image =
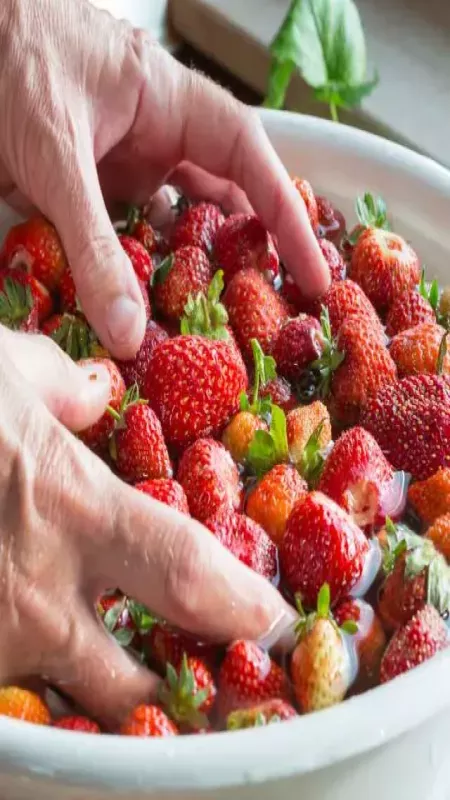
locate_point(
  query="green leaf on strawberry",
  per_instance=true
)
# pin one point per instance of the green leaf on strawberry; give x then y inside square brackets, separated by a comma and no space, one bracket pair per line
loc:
[141,616]
[205,315]
[269,448]
[430,291]
[264,371]
[181,698]
[330,359]
[160,274]
[16,303]
[313,460]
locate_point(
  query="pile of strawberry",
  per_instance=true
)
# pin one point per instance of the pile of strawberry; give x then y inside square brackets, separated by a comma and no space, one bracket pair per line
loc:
[312,438]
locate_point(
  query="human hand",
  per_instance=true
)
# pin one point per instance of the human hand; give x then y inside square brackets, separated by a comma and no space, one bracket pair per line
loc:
[124,104]
[70,530]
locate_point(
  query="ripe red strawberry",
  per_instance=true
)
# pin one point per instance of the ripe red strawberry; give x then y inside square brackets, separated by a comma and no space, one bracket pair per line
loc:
[306,192]
[331,221]
[36,246]
[384,265]
[418,350]
[140,228]
[18,301]
[43,300]
[72,333]
[167,645]
[197,226]
[358,477]
[346,298]
[210,479]
[321,669]
[271,501]
[135,370]
[78,724]
[280,392]
[255,311]
[420,639]
[114,612]
[249,676]
[183,274]
[298,344]
[141,260]
[371,212]
[97,435]
[148,721]
[24,705]
[293,293]
[166,491]
[188,693]
[321,545]
[369,640]
[137,445]
[247,540]
[68,292]
[243,243]
[260,714]
[409,309]
[410,420]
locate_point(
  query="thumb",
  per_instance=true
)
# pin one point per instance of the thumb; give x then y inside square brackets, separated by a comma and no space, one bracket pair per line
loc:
[76,395]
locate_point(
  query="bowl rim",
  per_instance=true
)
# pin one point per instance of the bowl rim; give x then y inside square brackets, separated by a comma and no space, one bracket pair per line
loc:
[297,747]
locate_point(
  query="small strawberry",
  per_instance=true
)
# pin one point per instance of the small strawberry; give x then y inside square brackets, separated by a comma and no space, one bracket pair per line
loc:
[23,704]
[331,221]
[320,667]
[346,298]
[431,498]
[409,309]
[135,370]
[97,435]
[369,640]
[419,350]
[188,693]
[140,258]
[78,724]
[182,275]
[243,243]
[126,620]
[248,676]
[210,479]
[410,420]
[18,301]
[137,445]
[197,226]
[322,544]
[194,381]
[280,392]
[246,540]
[43,300]
[302,424]
[140,228]
[298,344]
[384,265]
[36,246]
[306,192]
[166,491]
[167,645]
[439,534]
[273,498]
[358,477]
[68,292]
[293,293]
[148,721]
[420,639]
[371,213]
[72,333]
[260,714]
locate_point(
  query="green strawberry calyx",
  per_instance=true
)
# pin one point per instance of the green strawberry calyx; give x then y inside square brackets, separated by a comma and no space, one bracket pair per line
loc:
[181,698]
[313,459]
[16,303]
[75,337]
[331,357]
[371,212]
[130,398]
[306,622]
[141,618]
[430,292]
[204,314]
[269,448]
[264,371]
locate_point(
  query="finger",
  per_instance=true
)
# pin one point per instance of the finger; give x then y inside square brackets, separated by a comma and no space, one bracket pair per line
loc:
[181,572]
[76,395]
[106,284]
[200,185]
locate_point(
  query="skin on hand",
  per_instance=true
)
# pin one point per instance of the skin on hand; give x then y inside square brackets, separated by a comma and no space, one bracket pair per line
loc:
[70,529]
[121,119]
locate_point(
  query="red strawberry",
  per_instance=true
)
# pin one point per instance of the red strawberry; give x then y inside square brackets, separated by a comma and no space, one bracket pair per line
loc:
[140,228]
[140,259]
[42,298]
[418,350]
[166,491]
[420,639]
[255,311]
[127,621]
[260,714]
[369,640]
[321,545]
[36,246]
[358,477]
[331,221]
[194,381]
[137,445]
[409,309]
[68,292]
[243,243]
[181,275]
[346,298]
[410,420]
[72,334]
[167,645]
[293,293]
[299,342]
[97,435]
[249,676]
[197,226]
[246,540]
[148,721]
[306,192]
[188,693]
[77,724]
[209,478]
[384,265]
[18,301]
[280,393]
[135,370]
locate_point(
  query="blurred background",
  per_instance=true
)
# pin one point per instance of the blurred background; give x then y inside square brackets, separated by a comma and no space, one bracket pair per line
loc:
[408,44]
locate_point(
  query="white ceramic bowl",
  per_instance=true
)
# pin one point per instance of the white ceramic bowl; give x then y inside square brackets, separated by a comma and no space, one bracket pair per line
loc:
[389,743]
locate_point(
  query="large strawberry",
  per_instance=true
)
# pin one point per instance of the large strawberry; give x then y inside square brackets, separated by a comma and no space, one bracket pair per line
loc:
[167,491]
[210,479]
[195,380]
[148,721]
[36,246]
[249,676]
[358,477]
[97,435]
[420,639]
[18,306]
[135,370]
[384,265]
[197,226]
[188,693]
[410,420]
[421,350]
[182,275]
[255,310]
[271,501]
[243,243]
[346,298]
[247,540]
[321,545]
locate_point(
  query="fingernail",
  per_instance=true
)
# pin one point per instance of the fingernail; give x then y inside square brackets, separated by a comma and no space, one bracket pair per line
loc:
[123,313]
[281,634]
[99,380]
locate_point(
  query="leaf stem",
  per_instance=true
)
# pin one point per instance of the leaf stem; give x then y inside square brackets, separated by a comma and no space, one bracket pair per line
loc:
[333,112]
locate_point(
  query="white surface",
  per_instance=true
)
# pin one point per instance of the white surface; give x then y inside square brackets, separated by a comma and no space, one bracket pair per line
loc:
[408,41]
[148,14]
[390,743]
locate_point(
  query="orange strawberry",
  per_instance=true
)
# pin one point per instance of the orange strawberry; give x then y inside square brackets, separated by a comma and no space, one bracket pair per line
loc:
[78,724]
[431,497]
[181,275]
[418,350]
[420,639]
[166,491]
[273,498]
[301,424]
[23,704]
[248,676]
[148,721]
[97,435]
[210,479]
[239,433]
[306,192]
[439,534]
[36,246]
[243,243]
[260,714]
[188,693]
